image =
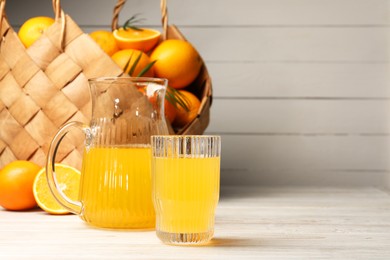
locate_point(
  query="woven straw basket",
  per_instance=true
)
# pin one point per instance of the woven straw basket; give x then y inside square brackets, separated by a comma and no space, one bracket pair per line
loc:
[46,85]
[201,87]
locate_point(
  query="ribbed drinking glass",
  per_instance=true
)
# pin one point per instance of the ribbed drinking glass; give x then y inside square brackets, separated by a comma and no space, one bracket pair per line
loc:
[185,181]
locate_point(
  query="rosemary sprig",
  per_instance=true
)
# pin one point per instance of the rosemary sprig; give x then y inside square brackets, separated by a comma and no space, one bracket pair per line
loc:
[172,95]
[146,69]
[176,98]
[128,64]
[131,72]
[129,24]
[132,69]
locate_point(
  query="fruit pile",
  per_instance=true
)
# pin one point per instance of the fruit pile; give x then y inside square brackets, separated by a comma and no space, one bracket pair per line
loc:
[140,52]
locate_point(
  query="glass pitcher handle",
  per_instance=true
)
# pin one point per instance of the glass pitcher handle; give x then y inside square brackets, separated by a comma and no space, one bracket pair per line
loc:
[65,201]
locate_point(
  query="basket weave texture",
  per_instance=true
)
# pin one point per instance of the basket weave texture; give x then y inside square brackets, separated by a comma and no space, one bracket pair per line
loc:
[46,85]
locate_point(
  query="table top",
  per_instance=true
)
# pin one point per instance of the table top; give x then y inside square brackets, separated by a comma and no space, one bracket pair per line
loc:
[251,223]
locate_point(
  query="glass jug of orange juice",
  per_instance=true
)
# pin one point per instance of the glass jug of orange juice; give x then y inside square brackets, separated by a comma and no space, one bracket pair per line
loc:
[115,189]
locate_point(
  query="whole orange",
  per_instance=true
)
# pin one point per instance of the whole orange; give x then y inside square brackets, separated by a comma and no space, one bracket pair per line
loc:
[169,108]
[33,28]
[105,40]
[122,58]
[170,111]
[177,61]
[16,185]
[184,117]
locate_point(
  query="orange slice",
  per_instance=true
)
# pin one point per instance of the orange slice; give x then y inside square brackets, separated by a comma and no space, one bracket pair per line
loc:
[68,179]
[143,40]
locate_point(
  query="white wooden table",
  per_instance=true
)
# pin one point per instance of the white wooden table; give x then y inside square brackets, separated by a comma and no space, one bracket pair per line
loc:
[251,223]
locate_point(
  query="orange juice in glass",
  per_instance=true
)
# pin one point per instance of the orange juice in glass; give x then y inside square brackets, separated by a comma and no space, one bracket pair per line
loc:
[186,176]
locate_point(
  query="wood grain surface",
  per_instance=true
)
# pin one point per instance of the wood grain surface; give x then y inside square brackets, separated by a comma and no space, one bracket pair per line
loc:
[251,223]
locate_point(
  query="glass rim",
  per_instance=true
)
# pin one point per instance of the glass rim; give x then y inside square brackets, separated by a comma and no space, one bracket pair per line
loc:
[186,146]
[185,136]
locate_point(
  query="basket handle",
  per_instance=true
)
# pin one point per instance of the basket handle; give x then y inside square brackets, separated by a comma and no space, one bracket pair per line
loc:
[164,16]
[59,14]
[2,12]
[71,205]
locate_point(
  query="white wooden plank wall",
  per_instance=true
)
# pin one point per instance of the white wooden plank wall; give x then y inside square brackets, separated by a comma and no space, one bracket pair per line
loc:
[301,87]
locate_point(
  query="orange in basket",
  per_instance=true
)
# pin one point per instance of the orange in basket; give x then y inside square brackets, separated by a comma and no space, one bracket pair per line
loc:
[33,28]
[105,40]
[184,117]
[127,58]
[177,61]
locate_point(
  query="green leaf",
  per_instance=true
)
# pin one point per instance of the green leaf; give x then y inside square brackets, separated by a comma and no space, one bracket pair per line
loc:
[129,24]
[128,63]
[135,64]
[176,98]
[146,69]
